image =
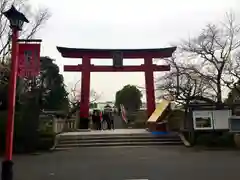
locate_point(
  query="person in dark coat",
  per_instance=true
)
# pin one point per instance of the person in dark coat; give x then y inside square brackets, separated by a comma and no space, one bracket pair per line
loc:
[96,119]
[106,119]
[112,121]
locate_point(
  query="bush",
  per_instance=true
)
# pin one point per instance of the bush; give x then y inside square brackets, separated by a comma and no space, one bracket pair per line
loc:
[216,139]
[27,138]
[227,139]
[139,125]
[46,141]
[176,120]
[3,121]
[137,120]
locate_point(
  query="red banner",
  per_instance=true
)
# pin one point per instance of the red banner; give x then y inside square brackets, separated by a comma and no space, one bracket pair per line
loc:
[123,113]
[29,60]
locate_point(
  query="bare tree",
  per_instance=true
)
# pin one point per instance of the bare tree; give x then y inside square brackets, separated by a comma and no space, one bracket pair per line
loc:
[75,95]
[37,20]
[75,98]
[214,50]
[94,96]
[182,83]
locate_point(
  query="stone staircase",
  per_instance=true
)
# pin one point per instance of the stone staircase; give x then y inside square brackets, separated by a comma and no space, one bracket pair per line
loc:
[69,141]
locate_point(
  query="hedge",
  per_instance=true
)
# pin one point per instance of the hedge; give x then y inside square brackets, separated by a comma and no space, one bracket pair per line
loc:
[27,138]
[216,139]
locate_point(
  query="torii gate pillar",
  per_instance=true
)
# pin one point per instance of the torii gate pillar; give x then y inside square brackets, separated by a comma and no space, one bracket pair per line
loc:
[149,83]
[85,91]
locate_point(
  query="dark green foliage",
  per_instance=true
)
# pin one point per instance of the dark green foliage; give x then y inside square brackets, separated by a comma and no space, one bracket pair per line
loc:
[176,119]
[28,127]
[45,141]
[46,92]
[93,105]
[215,139]
[55,96]
[26,137]
[130,96]
[4,78]
[49,88]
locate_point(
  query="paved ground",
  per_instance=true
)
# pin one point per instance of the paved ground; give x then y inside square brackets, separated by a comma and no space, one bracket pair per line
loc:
[153,163]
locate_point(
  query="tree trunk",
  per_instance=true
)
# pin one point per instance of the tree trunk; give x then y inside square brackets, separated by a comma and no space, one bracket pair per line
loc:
[219,93]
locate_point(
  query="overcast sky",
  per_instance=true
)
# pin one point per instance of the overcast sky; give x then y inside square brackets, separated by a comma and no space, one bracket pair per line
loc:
[123,24]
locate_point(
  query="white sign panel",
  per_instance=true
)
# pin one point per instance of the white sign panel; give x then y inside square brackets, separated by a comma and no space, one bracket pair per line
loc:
[220,119]
[203,120]
[211,119]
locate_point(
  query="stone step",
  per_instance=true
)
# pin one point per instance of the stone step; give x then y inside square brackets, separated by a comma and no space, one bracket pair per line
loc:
[79,138]
[116,135]
[69,146]
[123,146]
[116,138]
[74,141]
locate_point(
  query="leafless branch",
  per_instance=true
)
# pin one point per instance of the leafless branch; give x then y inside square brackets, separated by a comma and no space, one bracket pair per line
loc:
[215,50]
[37,20]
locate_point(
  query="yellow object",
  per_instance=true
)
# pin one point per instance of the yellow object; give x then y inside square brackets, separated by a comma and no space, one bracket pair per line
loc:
[161,107]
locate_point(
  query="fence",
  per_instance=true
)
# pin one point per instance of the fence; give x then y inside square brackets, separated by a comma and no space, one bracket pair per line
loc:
[60,125]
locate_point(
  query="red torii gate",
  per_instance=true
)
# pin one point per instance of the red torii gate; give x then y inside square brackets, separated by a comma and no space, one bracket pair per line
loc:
[117,55]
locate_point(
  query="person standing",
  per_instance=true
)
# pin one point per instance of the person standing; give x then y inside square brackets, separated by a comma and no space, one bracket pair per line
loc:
[106,118]
[101,119]
[96,120]
[112,120]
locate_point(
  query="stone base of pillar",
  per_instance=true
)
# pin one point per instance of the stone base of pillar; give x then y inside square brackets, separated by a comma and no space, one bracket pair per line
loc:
[83,123]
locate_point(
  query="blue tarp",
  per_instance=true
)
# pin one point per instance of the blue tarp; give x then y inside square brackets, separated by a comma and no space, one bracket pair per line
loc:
[159,132]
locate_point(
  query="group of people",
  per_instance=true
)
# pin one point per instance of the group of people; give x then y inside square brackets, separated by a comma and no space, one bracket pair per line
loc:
[100,118]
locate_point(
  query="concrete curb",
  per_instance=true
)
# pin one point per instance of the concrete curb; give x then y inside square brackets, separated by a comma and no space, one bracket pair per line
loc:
[237,140]
[55,142]
[184,140]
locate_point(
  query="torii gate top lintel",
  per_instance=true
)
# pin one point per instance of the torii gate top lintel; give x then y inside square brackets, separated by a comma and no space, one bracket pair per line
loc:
[108,53]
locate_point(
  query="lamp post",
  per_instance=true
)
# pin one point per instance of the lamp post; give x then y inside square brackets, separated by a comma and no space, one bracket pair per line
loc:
[16,20]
